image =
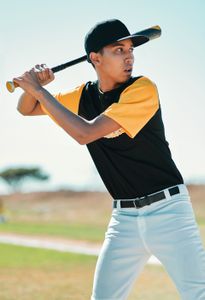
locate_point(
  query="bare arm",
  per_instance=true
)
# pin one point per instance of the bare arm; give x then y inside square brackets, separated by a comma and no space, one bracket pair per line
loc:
[83,131]
[29,105]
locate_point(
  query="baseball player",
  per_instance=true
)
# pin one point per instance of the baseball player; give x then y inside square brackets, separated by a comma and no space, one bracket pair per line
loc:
[118,117]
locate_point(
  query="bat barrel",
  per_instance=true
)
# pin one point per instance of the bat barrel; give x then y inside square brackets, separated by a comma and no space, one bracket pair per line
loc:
[152,32]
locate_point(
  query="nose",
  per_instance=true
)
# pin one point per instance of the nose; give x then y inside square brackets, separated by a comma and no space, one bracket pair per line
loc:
[129,58]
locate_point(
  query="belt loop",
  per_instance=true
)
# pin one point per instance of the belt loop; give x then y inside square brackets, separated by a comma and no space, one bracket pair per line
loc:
[117,204]
[167,194]
[134,202]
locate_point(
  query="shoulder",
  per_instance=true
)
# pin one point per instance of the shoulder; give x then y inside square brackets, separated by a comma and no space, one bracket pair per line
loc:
[76,90]
[141,87]
[143,81]
[67,94]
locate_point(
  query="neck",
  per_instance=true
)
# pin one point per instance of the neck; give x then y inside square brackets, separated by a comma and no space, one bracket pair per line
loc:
[105,85]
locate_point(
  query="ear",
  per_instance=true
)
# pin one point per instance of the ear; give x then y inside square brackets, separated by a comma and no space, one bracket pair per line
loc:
[95,58]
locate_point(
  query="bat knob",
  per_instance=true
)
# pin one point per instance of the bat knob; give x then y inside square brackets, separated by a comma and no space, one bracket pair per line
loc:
[10,85]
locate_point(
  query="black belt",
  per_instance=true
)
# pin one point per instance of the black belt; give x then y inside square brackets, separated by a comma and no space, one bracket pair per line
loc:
[146,200]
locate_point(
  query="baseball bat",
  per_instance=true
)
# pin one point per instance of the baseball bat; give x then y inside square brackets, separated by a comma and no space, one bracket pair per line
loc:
[149,34]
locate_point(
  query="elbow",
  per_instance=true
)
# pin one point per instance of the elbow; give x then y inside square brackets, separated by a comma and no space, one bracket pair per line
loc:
[82,140]
[83,135]
[79,138]
[21,112]
[86,140]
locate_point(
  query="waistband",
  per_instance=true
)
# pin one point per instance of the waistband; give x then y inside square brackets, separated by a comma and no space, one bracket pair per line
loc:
[139,202]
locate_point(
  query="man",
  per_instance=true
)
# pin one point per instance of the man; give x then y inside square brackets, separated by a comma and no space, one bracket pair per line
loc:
[119,118]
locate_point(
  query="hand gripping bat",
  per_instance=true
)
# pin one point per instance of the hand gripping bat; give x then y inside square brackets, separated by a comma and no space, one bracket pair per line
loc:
[150,34]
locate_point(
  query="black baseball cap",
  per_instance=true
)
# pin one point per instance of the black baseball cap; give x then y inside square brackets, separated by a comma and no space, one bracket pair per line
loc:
[108,32]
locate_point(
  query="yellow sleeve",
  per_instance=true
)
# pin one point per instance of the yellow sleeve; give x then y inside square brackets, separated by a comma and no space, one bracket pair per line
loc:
[136,106]
[69,100]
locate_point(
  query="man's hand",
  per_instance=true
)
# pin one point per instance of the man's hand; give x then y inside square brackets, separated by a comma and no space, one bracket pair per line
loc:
[44,74]
[32,81]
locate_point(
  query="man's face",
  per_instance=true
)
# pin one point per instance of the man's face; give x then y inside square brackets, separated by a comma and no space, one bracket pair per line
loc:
[116,61]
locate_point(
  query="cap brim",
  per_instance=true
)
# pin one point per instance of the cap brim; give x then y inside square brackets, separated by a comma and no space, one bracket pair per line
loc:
[136,39]
[141,37]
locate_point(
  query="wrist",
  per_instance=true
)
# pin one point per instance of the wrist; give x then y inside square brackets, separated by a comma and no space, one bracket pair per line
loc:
[39,93]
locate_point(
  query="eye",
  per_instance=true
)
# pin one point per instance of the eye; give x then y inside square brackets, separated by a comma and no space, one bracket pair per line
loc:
[131,49]
[119,50]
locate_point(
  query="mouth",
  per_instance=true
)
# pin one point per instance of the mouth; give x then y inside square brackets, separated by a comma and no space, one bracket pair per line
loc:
[128,71]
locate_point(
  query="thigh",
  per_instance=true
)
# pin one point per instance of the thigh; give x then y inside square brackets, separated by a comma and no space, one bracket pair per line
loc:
[121,259]
[179,247]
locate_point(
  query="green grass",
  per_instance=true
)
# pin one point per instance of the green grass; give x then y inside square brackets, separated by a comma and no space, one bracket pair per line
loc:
[72,231]
[30,274]
[91,233]
[24,257]
[200,221]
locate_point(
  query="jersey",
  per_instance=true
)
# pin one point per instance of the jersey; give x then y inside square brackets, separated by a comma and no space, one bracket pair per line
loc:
[135,160]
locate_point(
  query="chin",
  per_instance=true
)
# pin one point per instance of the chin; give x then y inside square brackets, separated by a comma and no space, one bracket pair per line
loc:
[122,78]
[125,77]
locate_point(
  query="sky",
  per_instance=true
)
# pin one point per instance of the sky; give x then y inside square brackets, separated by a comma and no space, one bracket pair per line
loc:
[52,32]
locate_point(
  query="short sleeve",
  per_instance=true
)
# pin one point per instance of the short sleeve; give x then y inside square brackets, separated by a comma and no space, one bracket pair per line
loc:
[69,100]
[136,106]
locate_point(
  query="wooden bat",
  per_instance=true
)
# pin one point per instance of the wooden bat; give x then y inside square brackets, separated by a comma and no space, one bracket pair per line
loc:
[149,33]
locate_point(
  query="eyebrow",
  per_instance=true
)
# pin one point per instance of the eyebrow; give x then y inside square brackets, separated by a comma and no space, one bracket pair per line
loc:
[119,44]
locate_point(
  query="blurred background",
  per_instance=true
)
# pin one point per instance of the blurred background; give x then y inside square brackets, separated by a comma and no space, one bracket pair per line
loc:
[48,32]
[49,189]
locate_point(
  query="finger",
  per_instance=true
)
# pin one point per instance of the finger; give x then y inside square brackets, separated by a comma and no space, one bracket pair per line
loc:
[43,66]
[45,71]
[38,67]
[17,80]
[39,72]
[51,74]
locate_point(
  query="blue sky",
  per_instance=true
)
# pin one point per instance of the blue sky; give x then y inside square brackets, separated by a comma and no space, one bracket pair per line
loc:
[52,32]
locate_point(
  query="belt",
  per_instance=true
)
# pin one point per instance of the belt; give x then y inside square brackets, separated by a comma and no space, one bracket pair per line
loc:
[146,200]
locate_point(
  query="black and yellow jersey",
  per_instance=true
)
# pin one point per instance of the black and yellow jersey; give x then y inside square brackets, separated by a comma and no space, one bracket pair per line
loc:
[135,160]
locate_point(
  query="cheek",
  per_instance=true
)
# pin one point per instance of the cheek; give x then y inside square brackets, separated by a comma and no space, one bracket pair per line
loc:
[113,65]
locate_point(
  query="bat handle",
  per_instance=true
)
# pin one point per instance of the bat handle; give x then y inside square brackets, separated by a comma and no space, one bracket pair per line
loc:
[11,86]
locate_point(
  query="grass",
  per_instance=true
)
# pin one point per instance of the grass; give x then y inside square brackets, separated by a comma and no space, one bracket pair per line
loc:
[28,257]
[71,231]
[30,274]
[84,232]
[67,214]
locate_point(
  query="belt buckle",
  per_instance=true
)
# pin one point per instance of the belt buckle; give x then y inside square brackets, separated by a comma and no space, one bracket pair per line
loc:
[141,198]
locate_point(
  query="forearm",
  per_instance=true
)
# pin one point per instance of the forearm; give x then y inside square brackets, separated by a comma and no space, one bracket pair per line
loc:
[74,125]
[26,103]
[82,130]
